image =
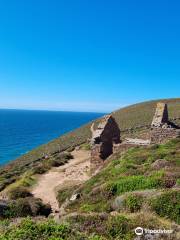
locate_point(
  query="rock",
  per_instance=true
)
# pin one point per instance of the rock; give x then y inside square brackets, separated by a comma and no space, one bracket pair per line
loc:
[160,163]
[118,203]
[75,196]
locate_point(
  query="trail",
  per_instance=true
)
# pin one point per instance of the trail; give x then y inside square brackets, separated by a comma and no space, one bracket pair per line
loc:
[76,170]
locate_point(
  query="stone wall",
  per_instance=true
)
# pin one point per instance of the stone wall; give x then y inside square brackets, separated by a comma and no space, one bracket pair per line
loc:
[104,137]
[162,135]
[161,115]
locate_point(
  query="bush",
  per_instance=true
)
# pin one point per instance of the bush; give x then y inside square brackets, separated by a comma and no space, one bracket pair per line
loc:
[19,208]
[57,162]
[168,205]
[29,229]
[38,207]
[40,169]
[18,192]
[24,207]
[133,202]
[118,226]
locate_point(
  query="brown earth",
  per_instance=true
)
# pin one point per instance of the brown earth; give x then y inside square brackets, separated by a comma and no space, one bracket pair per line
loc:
[76,170]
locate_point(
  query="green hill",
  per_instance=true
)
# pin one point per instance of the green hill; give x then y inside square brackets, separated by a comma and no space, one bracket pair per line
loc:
[132,120]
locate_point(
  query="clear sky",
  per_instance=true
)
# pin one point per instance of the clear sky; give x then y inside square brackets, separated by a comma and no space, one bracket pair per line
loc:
[88,55]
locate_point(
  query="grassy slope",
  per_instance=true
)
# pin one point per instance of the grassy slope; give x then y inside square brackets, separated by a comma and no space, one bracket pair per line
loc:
[130,191]
[141,193]
[134,170]
[128,117]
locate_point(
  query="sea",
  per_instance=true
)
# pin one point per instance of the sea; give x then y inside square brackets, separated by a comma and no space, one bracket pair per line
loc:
[23,130]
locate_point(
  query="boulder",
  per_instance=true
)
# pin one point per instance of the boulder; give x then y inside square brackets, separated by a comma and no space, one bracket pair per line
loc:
[75,196]
[160,163]
[118,203]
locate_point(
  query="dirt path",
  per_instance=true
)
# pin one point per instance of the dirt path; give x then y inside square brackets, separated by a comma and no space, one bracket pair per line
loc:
[76,170]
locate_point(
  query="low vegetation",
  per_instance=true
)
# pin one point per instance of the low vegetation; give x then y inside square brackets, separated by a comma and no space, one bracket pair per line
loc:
[133,202]
[137,170]
[18,192]
[168,205]
[23,207]
[91,227]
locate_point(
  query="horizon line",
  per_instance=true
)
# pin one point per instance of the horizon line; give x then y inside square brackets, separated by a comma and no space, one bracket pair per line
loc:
[52,110]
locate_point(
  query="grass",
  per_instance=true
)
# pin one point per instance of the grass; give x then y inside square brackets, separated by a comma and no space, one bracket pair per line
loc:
[132,183]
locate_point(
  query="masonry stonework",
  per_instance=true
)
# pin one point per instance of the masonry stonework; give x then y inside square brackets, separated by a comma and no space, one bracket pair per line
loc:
[160,116]
[106,138]
[103,142]
[161,129]
[162,135]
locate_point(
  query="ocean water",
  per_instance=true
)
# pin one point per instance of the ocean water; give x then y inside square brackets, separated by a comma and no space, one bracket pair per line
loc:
[21,130]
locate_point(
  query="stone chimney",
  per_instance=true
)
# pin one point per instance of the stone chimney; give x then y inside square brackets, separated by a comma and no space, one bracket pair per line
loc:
[161,115]
[161,129]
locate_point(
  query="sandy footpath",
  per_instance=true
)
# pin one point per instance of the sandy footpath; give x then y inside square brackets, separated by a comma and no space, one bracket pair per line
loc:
[75,170]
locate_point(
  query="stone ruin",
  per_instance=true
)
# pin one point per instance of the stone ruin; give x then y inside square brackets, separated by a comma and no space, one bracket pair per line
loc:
[104,141]
[161,128]
[106,138]
[161,116]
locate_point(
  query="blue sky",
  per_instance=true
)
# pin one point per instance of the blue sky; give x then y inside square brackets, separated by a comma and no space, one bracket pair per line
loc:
[88,55]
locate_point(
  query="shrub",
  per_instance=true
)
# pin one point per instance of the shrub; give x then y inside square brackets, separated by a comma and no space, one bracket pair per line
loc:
[29,206]
[118,226]
[57,162]
[133,202]
[19,208]
[168,205]
[40,169]
[38,207]
[29,229]
[18,192]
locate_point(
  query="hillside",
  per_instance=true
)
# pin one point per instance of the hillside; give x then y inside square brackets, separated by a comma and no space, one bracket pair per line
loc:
[139,188]
[132,120]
